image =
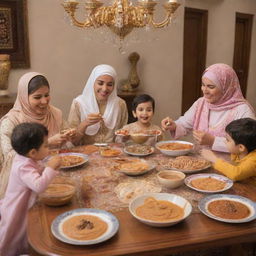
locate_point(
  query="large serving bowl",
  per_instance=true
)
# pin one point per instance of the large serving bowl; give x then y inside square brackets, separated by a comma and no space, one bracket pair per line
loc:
[59,192]
[182,147]
[175,199]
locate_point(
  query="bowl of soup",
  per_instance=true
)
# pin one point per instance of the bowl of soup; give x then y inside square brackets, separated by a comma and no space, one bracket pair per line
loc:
[160,209]
[175,147]
[171,179]
[59,192]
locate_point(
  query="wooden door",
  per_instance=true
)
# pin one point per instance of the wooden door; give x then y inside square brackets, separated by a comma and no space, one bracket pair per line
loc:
[243,32]
[194,55]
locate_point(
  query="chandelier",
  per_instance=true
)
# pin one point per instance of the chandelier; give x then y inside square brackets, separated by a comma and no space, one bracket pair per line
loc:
[122,16]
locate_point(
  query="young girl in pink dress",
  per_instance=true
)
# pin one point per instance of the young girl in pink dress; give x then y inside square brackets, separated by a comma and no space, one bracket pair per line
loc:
[28,177]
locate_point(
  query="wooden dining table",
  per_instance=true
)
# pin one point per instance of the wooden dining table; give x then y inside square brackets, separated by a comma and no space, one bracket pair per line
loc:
[133,237]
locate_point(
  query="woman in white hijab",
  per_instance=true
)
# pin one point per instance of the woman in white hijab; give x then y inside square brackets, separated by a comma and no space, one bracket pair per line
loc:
[98,111]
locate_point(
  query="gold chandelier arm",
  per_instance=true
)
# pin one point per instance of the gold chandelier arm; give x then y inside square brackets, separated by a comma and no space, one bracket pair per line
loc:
[170,8]
[87,23]
[165,22]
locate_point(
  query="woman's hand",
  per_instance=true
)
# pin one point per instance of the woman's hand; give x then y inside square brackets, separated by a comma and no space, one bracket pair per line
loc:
[69,134]
[168,124]
[208,155]
[203,138]
[54,162]
[91,119]
[57,140]
[94,118]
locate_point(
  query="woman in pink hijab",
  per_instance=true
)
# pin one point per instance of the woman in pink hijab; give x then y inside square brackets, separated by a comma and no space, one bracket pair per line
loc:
[222,102]
[31,105]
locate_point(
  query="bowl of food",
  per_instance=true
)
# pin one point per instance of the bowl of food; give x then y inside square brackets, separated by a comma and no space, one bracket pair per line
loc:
[142,137]
[160,209]
[175,147]
[171,179]
[59,192]
[139,138]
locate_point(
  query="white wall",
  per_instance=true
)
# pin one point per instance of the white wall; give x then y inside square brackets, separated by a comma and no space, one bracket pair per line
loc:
[62,53]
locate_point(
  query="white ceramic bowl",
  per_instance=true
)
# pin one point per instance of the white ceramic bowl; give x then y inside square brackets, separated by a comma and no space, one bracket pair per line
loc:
[175,199]
[174,152]
[141,138]
[171,179]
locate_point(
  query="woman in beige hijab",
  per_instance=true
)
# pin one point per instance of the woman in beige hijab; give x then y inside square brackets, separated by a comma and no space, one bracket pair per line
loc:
[31,105]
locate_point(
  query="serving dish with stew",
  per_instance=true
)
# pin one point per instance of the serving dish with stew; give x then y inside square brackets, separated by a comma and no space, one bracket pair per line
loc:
[228,208]
[175,147]
[84,226]
[160,209]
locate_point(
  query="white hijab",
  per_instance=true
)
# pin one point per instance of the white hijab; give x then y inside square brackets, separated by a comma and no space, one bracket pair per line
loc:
[88,103]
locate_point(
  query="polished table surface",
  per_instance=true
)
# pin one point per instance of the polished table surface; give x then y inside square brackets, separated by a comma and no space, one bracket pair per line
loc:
[135,238]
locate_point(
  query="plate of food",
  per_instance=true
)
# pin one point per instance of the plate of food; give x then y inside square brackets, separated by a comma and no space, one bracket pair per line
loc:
[228,208]
[70,160]
[188,164]
[139,150]
[134,167]
[208,182]
[110,152]
[175,147]
[122,132]
[160,209]
[84,226]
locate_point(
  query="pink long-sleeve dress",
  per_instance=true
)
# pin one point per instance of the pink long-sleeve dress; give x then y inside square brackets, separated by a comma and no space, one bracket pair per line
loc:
[27,179]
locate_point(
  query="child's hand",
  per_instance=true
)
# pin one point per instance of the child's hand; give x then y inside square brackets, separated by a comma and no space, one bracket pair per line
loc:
[203,138]
[168,124]
[54,162]
[208,155]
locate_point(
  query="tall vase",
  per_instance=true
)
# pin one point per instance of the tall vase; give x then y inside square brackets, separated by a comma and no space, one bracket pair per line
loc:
[133,81]
[5,67]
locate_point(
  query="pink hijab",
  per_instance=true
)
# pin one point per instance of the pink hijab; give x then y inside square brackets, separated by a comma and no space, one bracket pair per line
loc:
[226,79]
[22,112]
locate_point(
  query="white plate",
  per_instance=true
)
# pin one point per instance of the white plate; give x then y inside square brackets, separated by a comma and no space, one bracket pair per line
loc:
[175,199]
[100,144]
[229,183]
[191,171]
[137,154]
[151,165]
[109,218]
[85,159]
[174,152]
[203,207]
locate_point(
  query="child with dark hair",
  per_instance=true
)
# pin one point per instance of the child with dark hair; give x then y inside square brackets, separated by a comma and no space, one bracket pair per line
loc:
[28,177]
[143,107]
[241,143]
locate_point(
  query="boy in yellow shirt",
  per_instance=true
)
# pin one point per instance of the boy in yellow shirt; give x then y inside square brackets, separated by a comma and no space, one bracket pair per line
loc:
[241,143]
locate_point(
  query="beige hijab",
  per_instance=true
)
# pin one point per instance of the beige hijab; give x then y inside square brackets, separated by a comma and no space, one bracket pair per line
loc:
[22,111]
